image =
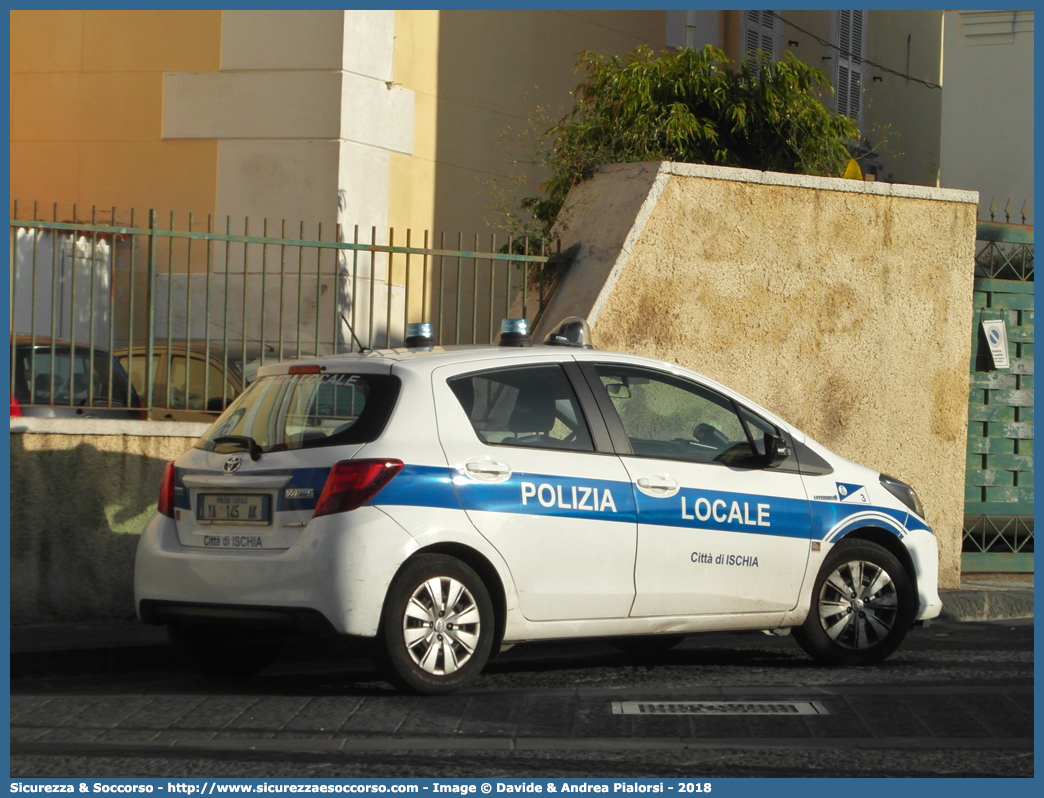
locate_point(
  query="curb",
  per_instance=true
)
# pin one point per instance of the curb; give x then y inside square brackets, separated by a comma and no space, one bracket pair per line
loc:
[986,605]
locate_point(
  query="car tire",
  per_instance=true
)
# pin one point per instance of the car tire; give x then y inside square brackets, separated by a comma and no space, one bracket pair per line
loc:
[863,604]
[646,644]
[224,651]
[437,626]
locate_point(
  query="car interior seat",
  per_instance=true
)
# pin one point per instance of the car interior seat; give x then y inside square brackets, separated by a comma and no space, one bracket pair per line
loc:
[532,415]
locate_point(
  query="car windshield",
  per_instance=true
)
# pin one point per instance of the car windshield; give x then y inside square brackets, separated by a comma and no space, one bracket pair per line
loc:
[302,411]
[74,379]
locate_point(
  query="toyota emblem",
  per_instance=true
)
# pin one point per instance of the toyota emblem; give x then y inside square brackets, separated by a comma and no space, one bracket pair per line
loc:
[232,464]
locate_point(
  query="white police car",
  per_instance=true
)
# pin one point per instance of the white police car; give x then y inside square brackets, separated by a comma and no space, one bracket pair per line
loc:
[446,503]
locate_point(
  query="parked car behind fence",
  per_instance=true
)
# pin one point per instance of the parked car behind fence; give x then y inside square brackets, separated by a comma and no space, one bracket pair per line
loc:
[52,378]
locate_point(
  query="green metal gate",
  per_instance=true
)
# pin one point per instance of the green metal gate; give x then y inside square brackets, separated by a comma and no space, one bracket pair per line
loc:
[191,314]
[998,520]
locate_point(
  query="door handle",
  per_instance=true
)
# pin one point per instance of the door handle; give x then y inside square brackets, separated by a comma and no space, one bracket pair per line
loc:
[488,470]
[659,485]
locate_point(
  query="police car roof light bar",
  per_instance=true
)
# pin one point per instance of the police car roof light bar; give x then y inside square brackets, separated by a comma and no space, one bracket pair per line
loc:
[515,332]
[419,334]
[571,331]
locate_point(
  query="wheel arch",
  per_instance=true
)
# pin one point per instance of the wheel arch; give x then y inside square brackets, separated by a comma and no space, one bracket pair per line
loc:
[888,541]
[487,573]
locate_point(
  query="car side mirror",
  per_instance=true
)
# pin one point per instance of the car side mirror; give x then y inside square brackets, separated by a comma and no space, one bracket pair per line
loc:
[776,450]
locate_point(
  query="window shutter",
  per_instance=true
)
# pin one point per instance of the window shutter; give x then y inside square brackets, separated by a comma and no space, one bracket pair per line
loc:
[759,33]
[851,31]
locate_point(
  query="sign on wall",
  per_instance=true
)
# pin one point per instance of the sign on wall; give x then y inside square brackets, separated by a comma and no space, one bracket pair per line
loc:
[997,338]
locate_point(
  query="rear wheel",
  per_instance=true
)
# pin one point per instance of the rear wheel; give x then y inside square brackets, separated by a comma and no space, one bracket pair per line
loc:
[862,606]
[224,651]
[437,626]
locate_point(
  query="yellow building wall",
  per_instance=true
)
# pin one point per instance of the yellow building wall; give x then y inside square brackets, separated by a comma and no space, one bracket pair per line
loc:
[86,111]
[478,77]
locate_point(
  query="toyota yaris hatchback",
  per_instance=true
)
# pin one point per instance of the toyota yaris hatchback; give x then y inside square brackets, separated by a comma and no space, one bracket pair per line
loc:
[448,503]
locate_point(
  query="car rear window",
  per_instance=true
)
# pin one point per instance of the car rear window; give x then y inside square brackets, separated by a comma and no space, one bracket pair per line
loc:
[303,411]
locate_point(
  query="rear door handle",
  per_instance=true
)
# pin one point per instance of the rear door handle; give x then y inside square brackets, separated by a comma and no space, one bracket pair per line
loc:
[488,470]
[658,485]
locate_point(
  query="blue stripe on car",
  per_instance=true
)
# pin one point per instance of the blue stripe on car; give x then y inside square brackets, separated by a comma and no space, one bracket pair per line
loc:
[420,486]
[434,486]
[575,497]
[711,509]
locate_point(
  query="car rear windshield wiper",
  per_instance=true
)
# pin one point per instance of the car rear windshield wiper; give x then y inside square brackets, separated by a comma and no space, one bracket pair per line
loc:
[242,440]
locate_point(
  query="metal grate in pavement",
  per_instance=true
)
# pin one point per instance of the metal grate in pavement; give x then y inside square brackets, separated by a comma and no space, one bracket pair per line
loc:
[719,708]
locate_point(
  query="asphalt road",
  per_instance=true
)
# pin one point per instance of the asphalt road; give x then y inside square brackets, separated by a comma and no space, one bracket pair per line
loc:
[955,700]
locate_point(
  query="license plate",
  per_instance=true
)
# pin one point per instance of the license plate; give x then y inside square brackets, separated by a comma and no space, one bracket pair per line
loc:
[242,509]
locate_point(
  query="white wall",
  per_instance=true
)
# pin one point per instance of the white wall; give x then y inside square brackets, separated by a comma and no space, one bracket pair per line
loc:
[987,108]
[78,275]
[695,29]
[305,113]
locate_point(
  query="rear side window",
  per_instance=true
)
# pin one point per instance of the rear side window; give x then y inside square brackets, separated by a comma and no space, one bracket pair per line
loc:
[530,406]
[302,411]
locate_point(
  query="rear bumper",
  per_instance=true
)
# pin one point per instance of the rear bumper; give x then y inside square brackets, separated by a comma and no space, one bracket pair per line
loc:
[338,569]
[297,619]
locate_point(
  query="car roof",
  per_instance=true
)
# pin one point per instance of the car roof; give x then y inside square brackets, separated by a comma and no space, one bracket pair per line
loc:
[421,358]
[40,340]
[427,360]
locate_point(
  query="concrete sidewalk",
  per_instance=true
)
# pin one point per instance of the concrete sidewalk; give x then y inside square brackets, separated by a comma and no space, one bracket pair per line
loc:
[990,597]
[93,647]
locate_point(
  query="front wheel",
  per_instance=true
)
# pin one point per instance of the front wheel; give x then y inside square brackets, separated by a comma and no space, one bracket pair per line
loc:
[437,626]
[862,606]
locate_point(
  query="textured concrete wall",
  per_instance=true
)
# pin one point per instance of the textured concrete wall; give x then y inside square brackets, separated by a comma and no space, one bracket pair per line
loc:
[81,492]
[842,306]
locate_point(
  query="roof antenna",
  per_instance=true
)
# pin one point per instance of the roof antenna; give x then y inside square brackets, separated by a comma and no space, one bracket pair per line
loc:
[354,337]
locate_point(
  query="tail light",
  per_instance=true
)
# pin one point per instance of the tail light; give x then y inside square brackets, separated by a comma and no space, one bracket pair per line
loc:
[165,504]
[352,483]
[16,409]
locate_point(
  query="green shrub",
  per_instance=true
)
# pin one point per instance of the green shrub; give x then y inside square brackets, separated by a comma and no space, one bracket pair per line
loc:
[691,106]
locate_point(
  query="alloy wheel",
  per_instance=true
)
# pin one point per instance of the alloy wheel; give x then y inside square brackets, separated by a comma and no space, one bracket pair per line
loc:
[441,625]
[858,605]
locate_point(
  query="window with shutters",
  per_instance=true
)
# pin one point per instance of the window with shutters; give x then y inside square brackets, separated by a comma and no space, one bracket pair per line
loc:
[762,30]
[850,37]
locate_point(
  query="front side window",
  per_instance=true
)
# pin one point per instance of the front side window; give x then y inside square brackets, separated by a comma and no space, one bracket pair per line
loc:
[302,411]
[669,417]
[529,406]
